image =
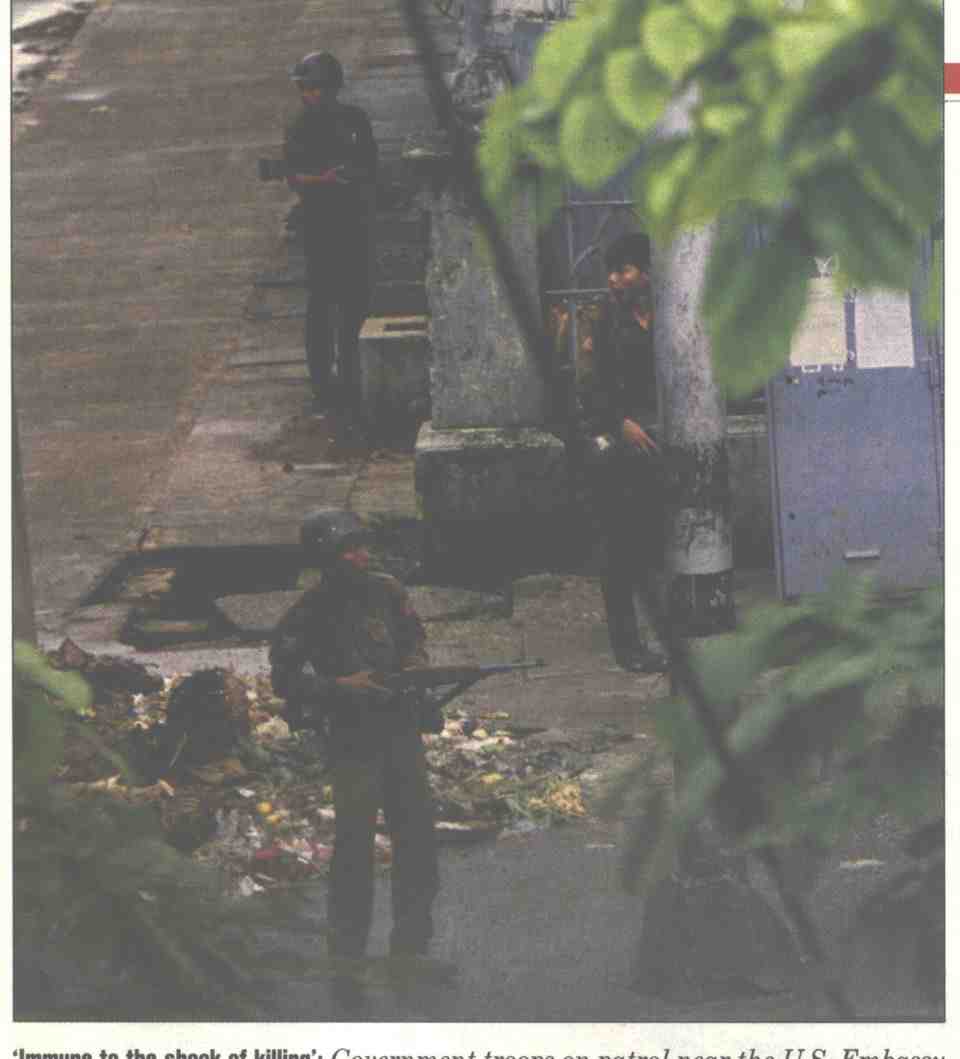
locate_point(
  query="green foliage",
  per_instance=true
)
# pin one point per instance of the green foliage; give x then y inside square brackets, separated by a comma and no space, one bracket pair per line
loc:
[94,879]
[837,707]
[825,124]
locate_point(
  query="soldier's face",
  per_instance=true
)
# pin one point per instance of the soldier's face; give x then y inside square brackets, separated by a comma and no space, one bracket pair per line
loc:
[314,95]
[356,557]
[627,279]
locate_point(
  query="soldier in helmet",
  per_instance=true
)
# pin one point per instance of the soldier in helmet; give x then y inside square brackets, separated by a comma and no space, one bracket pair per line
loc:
[324,657]
[331,160]
[617,404]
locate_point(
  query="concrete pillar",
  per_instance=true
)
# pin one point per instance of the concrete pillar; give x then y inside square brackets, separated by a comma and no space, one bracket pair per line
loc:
[491,480]
[482,373]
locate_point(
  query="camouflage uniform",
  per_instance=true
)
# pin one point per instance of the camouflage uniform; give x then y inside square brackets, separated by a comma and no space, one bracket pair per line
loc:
[350,624]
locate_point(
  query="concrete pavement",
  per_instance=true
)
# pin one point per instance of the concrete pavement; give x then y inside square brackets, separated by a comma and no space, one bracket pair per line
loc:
[139,225]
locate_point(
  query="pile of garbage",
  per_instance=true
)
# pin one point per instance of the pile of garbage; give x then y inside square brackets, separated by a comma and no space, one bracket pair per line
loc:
[238,790]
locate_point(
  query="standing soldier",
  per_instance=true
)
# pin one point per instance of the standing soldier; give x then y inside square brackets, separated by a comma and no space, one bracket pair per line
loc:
[617,403]
[331,162]
[323,658]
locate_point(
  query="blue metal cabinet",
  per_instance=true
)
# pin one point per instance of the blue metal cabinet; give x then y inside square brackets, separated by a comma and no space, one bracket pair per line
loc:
[857,454]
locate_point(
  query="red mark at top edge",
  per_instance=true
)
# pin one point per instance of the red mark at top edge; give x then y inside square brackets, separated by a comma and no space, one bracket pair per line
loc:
[951,78]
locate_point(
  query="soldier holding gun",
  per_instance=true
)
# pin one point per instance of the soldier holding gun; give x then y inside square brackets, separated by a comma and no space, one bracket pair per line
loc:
[324,657]
[350,658]
[330,160]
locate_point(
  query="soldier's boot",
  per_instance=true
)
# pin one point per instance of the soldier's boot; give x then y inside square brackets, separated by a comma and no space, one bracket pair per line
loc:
[348,995]
[629,650]
[347,974]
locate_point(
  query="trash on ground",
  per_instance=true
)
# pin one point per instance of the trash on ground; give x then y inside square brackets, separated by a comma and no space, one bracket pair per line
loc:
[234,787]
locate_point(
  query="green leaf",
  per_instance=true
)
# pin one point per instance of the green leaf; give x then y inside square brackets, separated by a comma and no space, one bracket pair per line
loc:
[846,603]
[39,746]
[678,729]
[699,787]
[798,46]
[738,169]
[662,181]
[550,196]
[727,666]
[500,143]
[714,13]
[769,9]
[540,144]
[854,68]
[919,40]
[917,105]
[649,852]
[862,11]
[70,688]
[752,304]
[909,169]
[636,90]
[595,145]
[759,721]
[877,248]
[832,671]
[561,56]
[673,40]
[758,77]
[724,118]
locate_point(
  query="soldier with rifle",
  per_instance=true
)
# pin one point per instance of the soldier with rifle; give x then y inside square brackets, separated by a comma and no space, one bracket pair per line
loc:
[617,410]
[330,160]
[350,658]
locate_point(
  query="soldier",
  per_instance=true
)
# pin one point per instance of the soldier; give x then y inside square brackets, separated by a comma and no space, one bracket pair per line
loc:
[323,658]
[617,405]
[331,161]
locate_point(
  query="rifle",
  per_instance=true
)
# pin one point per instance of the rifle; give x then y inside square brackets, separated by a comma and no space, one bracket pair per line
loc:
[457,679]
[461,677]
[277,169]
[415,682]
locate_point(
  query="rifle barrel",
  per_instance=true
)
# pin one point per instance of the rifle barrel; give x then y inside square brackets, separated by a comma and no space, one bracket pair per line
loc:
[437,676]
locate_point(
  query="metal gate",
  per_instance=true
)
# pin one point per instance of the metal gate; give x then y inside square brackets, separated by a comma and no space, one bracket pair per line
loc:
[572,271]
[855,426]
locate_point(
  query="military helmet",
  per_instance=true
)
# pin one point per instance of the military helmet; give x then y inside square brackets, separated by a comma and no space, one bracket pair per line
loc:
[324,533]
[630,249]
[318,68]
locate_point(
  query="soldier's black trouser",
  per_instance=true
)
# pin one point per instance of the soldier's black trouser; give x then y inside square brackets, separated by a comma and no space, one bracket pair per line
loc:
[628,504]
[385,768]
[338,300]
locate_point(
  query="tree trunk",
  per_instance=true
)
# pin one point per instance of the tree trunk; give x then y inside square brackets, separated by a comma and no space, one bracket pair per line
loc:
[699,551]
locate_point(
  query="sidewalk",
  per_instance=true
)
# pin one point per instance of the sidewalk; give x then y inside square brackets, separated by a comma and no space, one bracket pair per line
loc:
[139,226]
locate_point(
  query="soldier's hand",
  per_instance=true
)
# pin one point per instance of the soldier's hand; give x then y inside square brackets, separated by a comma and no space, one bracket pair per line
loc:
[635,434]
[363,681]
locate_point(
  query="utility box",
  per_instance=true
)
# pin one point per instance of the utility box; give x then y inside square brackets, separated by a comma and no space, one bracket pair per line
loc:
[855,426]
[395,368]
